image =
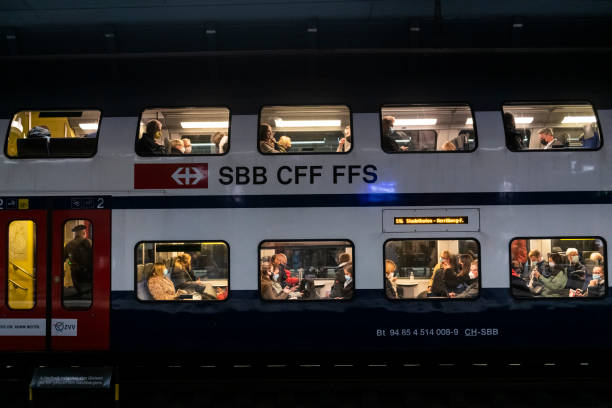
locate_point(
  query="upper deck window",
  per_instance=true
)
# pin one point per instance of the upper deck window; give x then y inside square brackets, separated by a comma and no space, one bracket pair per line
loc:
[304,129]
[56,134]
[419,128]
[183,131]
[551,127]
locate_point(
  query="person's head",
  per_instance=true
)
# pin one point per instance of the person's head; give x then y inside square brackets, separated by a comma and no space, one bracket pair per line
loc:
[276,259]
[448,147]
[597,258]
[474,270]
[555,260]
[159,269]
[80,231]
[265,270]
[390,266]
[347,131]
[187,144]
[344,258]
[216,138]
[348,271]
[546,135]
[265,132]
[445,257]
[282,259]
[387,123]
[572,255]
[535,255]
[177,144]
[153,128]
[38,132]
[465,261]
[509,123]
[598,272]
[285,141]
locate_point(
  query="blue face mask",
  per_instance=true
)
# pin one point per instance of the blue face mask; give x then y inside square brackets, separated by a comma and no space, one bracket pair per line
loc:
[165,271]
[596,277]
[347,278]
[276,276]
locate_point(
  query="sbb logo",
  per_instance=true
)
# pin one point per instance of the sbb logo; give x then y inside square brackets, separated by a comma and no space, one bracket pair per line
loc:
[167,176]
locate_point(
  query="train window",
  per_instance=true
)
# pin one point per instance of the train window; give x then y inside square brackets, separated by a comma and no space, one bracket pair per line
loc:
[557,267]
[304,129]
[551,127]
[21,265]
[54,134]
[432,268]
[306,270]
[183,131]
[421,128]
[182,271]
[77,266]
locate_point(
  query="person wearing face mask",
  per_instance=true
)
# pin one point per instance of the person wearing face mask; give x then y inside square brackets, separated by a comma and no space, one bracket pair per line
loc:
[177,146]
[187,145]
[389,144]
[554,284]
[390,279]
[547,140]
[535,263]
[596,287]
[576,270]
[149,142]
[160,286]
[269,289]
[445,259]
[344,145]
[458,282]
[472,289]
[349,283]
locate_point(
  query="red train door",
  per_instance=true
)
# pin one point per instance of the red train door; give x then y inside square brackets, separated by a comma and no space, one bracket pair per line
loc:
[23,276]
[80,279]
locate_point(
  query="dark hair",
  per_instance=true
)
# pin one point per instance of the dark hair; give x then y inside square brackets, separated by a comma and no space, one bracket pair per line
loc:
[263,131]
[465,260]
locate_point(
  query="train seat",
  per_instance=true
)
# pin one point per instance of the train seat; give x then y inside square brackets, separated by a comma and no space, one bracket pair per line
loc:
[32,147]
[72,147]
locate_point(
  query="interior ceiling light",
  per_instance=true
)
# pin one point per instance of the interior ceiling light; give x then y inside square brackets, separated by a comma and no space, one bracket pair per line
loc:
[88,126]
[416,122]
[523,120]
[578,119]
[204,125]
[306,123]
[469,121]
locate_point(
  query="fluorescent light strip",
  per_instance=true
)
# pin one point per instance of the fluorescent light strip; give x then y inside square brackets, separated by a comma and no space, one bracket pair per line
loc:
[306,123]
[202,144]
[416,122]
[523,120]
[306,142]
[204,125]
[469,121]
[88,126]
[579,119]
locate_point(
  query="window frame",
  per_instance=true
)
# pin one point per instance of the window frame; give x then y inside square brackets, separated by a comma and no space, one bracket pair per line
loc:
[436,299]
[8,132]
[430,105]
[62,259]
[350,111]
[229,129]
[313,301]
[153,301]
[546,103]
[566,298]
[35,278]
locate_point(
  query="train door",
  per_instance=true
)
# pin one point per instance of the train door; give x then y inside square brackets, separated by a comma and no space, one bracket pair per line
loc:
[80,288]
[23,279]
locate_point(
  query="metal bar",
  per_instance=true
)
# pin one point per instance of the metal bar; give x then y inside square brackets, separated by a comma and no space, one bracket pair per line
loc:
[304,52]
[18,286]
[15,266]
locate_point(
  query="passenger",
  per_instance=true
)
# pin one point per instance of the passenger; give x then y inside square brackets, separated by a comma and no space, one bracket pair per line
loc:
[344,145]
[160,287]
[147,145]
[221,293]
[576,270]
[344,259]
[536,262]
[388,140]
[445,278]
[180,271]
[445,258]
[284,144]
[78,252]
[284,272]
[597,258]
[596,286]
[39,132]
[517,283]
[390,280]
[349,283]
[554,284]
[271,290]
[472,288]
[177,147]
[220,140]
[548,140]
[449,147]
[337,289]
[458,282]
[187,145]
[514,138]
[267,143]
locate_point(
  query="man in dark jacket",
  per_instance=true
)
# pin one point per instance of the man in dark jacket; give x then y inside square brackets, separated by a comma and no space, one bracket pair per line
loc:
[147,145]
[388,141]
[78,252]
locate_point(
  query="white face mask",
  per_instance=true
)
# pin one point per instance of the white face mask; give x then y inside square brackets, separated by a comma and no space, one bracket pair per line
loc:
[596,277]
[471,275]
[165,271]
[575,259]
[551,264]
[347,277]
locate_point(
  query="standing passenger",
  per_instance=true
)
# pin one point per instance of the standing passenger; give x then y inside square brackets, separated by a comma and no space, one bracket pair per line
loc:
[79,254]
[388,141]
[345,143]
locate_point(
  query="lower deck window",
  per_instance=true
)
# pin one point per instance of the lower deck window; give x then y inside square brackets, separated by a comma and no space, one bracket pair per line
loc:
[432,269]
[557,268]
[306,270]
[182,271]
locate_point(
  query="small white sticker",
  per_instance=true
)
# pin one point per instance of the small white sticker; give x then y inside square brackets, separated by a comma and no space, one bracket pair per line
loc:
[23,327]
[64,327]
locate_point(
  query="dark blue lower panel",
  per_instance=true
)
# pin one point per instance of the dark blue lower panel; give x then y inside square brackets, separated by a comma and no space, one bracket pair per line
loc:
[369,322]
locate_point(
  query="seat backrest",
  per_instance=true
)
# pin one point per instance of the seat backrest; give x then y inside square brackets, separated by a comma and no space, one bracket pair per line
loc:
[74,146]
[33,147]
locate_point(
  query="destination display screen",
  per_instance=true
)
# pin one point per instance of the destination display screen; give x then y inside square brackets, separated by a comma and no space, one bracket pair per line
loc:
[429,220]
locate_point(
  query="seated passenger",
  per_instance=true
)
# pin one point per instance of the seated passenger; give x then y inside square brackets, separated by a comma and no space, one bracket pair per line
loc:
[471,291]
[514,139]
[536,263]
[449,147]
[554,284]
[590,140]
[517,283]
[221,293]
[284,144]
[349,283]
[337,289]
[220,141]
[597,258]
[389,144]
[390,280]
[458,282]
[187,145]
[445,256]
[267,143]
[180,271]
[271,290]
[344,145]
[177,146]
[280,263]
[576,270]
[147,145]
[596,286]
[160,287]
[39,132]
[547,140]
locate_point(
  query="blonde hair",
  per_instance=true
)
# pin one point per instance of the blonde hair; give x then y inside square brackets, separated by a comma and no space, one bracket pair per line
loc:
[596,256]
[158,269]
[390,266]
[285,141]
[448,146]
[534,252]
[216,138]
[176,143]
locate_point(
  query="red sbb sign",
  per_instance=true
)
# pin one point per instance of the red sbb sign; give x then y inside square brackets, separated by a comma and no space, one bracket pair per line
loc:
[175,175]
